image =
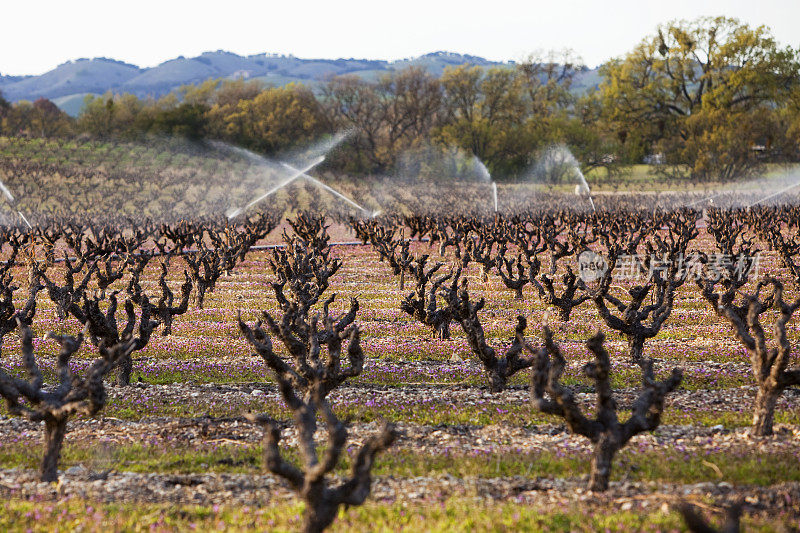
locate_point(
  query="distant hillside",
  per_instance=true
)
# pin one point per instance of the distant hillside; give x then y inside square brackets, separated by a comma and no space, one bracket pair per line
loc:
[71,104]
[80,76]
[11,79]
[68,83]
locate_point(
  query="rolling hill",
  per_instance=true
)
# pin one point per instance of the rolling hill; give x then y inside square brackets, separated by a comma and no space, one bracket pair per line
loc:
[68,83]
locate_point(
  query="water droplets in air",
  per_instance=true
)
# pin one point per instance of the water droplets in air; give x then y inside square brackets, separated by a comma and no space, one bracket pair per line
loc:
[280,174]
[558,166]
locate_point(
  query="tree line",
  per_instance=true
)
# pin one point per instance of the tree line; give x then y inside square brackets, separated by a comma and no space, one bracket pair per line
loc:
[709,99]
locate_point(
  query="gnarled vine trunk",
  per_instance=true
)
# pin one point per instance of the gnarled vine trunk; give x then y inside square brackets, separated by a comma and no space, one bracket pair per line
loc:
[54,431]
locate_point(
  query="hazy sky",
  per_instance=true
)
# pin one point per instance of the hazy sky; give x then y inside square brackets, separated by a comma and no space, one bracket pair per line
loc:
[35,36]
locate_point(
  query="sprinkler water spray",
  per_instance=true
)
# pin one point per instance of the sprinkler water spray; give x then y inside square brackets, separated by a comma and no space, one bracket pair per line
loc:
[709,199]
[331,190]
[582,189]
[296,173]
[486,176]
[773,195]
[25,220]
[233,213]
[13,202]
[7,193]
[556,165]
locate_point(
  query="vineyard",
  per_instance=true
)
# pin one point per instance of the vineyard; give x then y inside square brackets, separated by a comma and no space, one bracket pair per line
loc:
[437,366]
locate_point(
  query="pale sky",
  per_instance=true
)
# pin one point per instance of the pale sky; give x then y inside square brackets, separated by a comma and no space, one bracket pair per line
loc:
[36,36]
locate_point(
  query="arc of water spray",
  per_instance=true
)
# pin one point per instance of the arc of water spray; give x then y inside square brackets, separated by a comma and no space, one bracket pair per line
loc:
[331,190]
[710,198]
[25,220]
[486,175]
[706,199]
[586,188]
[591,201]
[13,203]
[297,173]
[7,193]
[773,195]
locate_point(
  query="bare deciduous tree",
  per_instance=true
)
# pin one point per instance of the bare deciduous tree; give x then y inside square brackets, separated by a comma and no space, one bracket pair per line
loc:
[67,296]
[104,329]
[770,364]
[304,387]
[73,394]
[10,316]
[605,431]
[423,304]
[697,524]
[465,312]
[665,271]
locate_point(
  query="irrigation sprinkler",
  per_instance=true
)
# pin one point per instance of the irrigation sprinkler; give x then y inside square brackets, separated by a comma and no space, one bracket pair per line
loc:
[773,195]
[25,220]
[13,202]
[297,173]
[331,190]
[709,199]
[582,189]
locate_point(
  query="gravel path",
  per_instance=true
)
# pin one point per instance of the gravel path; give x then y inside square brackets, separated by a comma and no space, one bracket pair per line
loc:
[738,398]
[257,490]
[422,439]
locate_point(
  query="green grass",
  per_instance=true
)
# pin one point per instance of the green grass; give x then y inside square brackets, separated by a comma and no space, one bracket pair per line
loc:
[666,465]
[431,413]
[461,514]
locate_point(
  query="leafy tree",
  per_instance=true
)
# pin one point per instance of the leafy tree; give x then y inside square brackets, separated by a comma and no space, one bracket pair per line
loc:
[589,136]
[96,115]
[791,117]
[717,69]
[119,115]
[40,118]
[727,144]
[184,120]
[201,93]
[277,118]
[224,122]
[47,116]
[485,114]
[548,78]
[4,106]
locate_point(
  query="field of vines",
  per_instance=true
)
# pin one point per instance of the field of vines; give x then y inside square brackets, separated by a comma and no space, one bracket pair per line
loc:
[436,367]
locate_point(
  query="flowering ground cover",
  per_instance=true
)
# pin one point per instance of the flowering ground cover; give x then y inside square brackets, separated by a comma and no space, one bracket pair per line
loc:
[466,458]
